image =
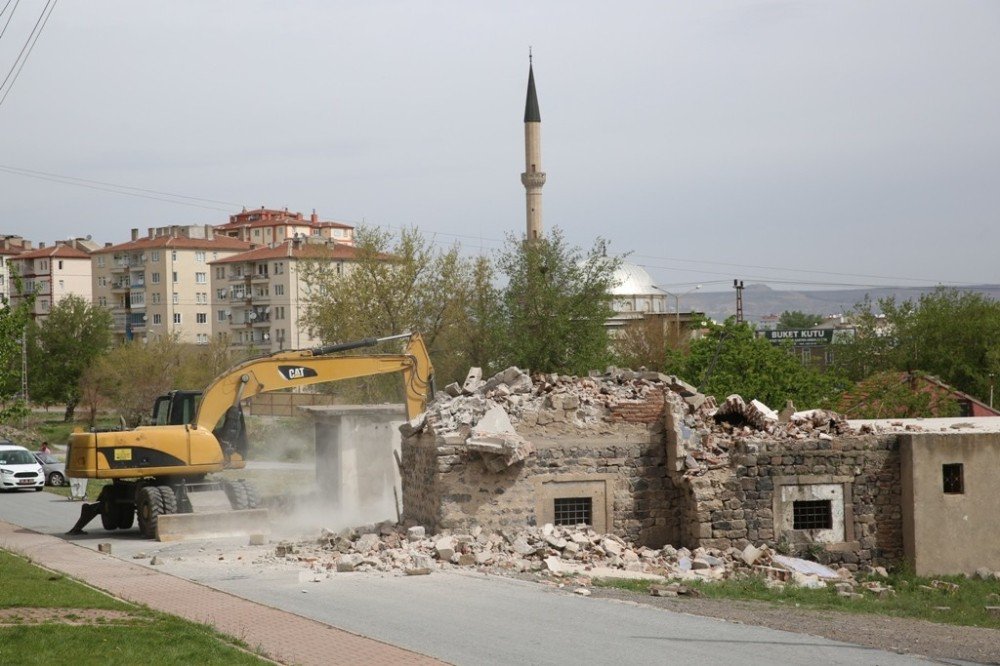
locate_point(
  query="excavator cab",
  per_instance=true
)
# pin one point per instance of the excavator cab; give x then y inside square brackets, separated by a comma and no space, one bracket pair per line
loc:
[181,407]
[176,408]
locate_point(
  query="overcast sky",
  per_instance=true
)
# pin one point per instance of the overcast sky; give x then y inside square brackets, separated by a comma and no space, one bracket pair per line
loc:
[783,142]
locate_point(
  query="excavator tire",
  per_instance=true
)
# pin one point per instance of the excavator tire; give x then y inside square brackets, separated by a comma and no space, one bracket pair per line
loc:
[237,494]
[169,500]
[253,496]
[126,516]
[149,507]
[110,514]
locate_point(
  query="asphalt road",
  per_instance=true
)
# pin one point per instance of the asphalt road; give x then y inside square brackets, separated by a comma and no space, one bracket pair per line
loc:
[463,618]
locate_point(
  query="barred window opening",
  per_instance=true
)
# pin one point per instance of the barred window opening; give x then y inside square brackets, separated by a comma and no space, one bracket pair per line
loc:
[574,511]
[812,515]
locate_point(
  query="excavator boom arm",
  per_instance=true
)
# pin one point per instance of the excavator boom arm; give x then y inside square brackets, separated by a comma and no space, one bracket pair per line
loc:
[306,367]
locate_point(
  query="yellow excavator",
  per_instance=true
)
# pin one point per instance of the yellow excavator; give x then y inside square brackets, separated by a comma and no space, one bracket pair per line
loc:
[159,472]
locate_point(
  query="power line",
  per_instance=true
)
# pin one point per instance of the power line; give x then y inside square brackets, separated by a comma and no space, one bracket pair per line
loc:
[792,270]
[199,202]
[118,189]
[36,32]
[16,3]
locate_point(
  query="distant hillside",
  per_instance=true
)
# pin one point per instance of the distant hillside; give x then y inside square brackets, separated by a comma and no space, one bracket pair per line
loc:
[759,300]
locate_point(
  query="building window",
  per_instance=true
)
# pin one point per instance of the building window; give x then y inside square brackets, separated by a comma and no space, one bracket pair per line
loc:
[176,298]
[154,255]
[221,315]
[200,278]
[175,276]
[200,318]
[199,255]
[574,511]
[155,278]
[155,297]
[220,272]
[279,267]
[279,290]
[177,317]
[954,479]
[60,264]
[100,262]
[157,319]
[812,515]
[173,255]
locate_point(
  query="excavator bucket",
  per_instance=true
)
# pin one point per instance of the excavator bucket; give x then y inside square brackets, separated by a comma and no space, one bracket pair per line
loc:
[211,517]
[178,526]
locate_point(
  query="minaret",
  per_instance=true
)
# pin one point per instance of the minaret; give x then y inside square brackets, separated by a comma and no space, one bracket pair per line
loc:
[533,177]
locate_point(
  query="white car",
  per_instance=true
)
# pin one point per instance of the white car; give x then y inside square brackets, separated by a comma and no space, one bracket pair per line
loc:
[19,469]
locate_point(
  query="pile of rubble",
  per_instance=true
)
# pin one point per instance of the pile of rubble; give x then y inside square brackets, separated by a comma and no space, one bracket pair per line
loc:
[549,553]
[483,415]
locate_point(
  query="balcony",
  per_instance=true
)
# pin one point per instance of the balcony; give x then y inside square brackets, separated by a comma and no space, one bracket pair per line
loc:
[261,277]
[120,286]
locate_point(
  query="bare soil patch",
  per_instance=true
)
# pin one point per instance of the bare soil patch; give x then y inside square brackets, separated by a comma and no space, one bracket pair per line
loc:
[10,617]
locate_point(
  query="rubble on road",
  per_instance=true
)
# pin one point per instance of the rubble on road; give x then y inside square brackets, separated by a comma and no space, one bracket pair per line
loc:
[574,555]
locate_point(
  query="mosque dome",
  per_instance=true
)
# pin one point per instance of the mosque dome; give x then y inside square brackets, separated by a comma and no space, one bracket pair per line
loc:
[632,280]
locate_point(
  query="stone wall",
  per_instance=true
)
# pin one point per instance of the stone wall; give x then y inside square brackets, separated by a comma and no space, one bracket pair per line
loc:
[621,466]
[742,503]
[658,463]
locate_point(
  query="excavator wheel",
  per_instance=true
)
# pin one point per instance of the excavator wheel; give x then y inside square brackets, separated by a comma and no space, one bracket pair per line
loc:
[110,514]
[149,507]
[253,495]
[169,500]
[126,516]
[237,494]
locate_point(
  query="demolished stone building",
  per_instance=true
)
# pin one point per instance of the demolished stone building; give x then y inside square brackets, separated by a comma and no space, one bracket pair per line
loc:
[646,457]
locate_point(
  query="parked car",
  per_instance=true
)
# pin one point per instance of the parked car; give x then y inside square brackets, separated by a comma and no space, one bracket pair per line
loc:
[19,469]
[55,469]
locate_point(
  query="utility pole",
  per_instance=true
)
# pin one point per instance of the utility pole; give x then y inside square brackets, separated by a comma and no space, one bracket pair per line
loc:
[738,286]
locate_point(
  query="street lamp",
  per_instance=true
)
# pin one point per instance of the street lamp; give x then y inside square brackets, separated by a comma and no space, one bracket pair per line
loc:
[677,309]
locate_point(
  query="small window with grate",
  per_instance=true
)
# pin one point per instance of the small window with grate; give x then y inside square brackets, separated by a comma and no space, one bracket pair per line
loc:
[812,515]
[954,479]
[574,511]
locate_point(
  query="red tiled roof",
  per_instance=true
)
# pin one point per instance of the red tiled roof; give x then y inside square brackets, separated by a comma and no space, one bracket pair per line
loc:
[291,249]
[178,243]
[282,222]
[59,251]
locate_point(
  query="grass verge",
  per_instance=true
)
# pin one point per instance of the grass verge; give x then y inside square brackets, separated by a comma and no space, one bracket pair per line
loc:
[82,633]
[965,606]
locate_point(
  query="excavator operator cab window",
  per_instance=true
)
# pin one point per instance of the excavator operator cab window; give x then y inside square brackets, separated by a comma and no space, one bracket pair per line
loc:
[176,408]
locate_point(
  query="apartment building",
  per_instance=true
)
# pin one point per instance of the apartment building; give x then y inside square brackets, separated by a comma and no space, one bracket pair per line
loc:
[266,226]
[159,284]
[260,296]
[10,246]
[52,274]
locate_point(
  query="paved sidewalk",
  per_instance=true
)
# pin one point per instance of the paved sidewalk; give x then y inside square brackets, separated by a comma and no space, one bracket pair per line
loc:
[282,636]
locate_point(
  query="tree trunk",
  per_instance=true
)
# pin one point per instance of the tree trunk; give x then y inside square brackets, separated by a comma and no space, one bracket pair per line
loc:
[70,409]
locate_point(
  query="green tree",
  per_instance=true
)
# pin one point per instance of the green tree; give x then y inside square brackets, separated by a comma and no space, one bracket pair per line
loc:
[642,343]
[62,346]
[396,284]
[732,359]
[948,333]
[556,302]
[13,328]
[795,320]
